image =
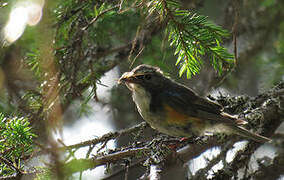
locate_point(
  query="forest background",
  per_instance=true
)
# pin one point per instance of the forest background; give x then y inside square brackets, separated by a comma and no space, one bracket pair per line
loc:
[63,115]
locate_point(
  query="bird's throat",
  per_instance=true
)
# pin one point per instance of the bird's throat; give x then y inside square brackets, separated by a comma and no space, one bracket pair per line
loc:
[142,100]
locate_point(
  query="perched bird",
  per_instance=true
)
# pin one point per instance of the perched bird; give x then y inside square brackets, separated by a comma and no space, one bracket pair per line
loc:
[176,110]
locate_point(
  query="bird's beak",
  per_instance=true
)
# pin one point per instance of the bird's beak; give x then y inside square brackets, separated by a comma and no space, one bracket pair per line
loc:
[126,77]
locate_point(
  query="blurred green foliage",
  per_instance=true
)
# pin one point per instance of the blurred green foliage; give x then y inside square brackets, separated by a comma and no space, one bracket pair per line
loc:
[16,138]
[272,63]
[90,38]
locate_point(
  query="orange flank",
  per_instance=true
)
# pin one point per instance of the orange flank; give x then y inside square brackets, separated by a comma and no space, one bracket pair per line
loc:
[174,117]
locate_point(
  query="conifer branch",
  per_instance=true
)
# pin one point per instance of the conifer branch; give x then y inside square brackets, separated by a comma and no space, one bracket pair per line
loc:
[193,37]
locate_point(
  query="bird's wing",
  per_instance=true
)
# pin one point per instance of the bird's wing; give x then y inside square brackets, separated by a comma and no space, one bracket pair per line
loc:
[185,97]
[185,101]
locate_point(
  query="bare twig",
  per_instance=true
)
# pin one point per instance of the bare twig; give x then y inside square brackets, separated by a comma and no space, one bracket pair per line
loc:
[102,146]
[139,53]
[105,137]
[124,169]
[134,42]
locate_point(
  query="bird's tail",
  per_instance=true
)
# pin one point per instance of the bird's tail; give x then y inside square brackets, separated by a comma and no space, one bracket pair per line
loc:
[247,134]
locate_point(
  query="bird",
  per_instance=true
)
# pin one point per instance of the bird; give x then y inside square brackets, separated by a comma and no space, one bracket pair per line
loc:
[176,110]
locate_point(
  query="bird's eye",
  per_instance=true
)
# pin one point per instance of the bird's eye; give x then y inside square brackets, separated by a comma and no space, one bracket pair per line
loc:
[147,76]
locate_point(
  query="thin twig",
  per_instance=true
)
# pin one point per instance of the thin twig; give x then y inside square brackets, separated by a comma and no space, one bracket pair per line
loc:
[139,53]
[124,169]
[98,16]
[102,146]
[77,165]
[134,42]
[106,137]
[90,150]
[69,150]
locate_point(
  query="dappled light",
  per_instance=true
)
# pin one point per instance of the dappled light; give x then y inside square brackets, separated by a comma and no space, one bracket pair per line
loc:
[22,14]
[164,89]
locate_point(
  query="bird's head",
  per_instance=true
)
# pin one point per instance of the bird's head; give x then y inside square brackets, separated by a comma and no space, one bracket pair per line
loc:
[144,76]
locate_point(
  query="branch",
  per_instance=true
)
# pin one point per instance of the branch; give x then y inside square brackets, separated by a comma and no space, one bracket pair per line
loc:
[106,137]
[174,165]
[123,170]
[267,104]
[77,165]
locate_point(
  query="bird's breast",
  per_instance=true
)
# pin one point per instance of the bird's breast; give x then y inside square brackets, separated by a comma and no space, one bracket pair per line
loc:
[142,100]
